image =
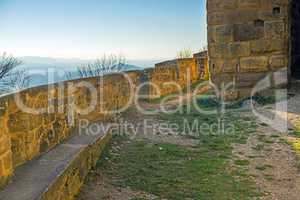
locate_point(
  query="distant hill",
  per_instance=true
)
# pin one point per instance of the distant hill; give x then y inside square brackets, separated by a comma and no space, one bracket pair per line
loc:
[44,70]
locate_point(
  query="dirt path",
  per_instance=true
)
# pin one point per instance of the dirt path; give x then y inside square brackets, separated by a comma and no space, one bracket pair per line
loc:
[273,163]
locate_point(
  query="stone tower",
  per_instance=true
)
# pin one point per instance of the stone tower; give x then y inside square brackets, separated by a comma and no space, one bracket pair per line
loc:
[248,39]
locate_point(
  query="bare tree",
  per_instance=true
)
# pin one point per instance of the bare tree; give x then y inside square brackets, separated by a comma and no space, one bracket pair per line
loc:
[186,53]
[69,76]
[103,65]
[11,78]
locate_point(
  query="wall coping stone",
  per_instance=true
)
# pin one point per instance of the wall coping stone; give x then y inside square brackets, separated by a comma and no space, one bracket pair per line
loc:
[35,178]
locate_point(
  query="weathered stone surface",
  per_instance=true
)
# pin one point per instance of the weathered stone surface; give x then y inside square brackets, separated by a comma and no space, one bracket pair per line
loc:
[221,5]
[217,50]
[260,36]
[278,61]
[238,49]
[263,46]
[230,50]
[18,148]
[248,80]
[216,18]
[4,144]
[222,34]
[18,121]
[268,15]
[247,32]
[173,76]
[224,65]
[275,29]
[253,4]
[254,64]
[59,173]
[224,78]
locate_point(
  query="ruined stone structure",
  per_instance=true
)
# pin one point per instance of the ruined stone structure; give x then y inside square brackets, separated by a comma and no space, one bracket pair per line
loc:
[247,39]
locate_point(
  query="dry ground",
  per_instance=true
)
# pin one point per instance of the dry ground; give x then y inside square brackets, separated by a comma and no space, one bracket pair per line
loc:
[269,162]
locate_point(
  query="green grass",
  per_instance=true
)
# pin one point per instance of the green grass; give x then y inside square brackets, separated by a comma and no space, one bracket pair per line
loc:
[176,172]
[268,177]
[242,162]
[294,143]
[263,167]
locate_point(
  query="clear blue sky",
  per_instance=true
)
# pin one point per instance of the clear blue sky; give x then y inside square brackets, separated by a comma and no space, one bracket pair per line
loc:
[139,29]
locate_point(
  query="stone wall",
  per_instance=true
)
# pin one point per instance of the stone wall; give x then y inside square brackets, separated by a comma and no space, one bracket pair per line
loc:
[6,167]
[58,108]
[202,64]
[246,40]
[180,71]
[25,135]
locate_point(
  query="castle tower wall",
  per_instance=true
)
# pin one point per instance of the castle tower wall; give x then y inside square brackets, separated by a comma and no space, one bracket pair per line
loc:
[247,39]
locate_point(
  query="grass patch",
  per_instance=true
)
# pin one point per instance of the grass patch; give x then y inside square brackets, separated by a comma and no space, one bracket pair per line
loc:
[268,177]
[295,133]
[275,136]
[242,162]
[261,167]
[175,172]
[295,145]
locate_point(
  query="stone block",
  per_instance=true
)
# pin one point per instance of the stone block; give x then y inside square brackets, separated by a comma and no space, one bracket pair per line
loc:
[238,49]
[216,66]
[270,4]
[247,32]
[223,34]
[224,78]
[267,46]
[249,4]
[18,122]
[254,64]
[4,144]
[7,162]
[274,30]
[268,15]
[248,80]
[211,34]
[18,148]
[2,126]
[216,18]
[241,16]
[218,50]
[224,66]
[221,5]
[231,65]
[278,61]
